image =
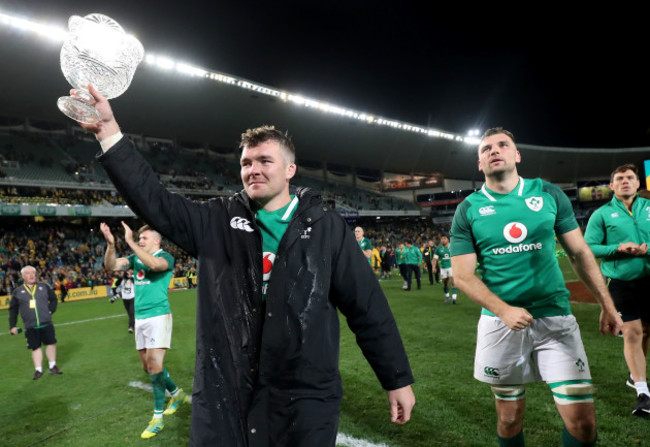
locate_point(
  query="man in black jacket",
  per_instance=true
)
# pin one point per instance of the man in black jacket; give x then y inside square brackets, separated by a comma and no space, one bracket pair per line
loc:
[275,266]
[36,303]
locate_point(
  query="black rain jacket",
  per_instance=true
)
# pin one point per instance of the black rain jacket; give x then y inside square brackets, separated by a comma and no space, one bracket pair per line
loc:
[257,363]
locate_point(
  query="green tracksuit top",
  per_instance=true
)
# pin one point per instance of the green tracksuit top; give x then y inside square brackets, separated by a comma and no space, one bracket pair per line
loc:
[612,224]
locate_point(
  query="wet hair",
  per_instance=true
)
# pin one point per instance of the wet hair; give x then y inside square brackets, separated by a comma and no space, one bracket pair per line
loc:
[496,131]
[255,137]
[623,168]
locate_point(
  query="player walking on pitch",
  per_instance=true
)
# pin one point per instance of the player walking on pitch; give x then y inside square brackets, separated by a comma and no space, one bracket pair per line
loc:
[526,332]
[153,269]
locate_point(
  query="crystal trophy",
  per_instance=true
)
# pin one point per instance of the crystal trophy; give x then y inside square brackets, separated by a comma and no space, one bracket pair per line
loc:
[96,51]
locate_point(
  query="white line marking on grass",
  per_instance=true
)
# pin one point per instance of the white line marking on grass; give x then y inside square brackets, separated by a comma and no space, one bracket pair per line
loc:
[341,439]
[69,323]
[348,441]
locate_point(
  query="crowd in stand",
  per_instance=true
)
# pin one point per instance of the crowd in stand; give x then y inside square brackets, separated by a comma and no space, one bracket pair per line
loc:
[71,196]
[71,255]
[64,254]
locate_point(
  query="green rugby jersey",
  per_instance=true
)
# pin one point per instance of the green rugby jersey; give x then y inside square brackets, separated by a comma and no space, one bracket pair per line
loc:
[151,287]
[513,236]
[273,225]
[444,256]
[365,244]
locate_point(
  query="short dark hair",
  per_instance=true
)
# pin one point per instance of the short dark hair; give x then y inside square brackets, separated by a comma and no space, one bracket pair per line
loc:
[258,135]
[623,168]
[495,131]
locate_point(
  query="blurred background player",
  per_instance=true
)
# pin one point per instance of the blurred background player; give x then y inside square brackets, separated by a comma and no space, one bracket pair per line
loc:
[386,262]
[427,254]
[36,302]
[364,243]
[153,318]
[127,293]
[619,233]
[412,261]
[442,257]
[400,260]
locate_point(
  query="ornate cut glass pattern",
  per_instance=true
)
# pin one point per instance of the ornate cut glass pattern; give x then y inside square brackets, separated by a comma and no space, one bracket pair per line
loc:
[97,51]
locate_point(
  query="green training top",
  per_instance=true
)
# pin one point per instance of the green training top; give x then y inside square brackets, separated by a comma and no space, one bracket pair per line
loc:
[151,287]
[412,255]
[612,224]
[513,236]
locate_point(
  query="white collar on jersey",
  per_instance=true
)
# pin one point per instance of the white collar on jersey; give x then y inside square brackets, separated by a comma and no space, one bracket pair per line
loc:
[492,199]
[290,208]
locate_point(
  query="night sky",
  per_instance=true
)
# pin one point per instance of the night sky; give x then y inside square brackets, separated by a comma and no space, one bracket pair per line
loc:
[553,77]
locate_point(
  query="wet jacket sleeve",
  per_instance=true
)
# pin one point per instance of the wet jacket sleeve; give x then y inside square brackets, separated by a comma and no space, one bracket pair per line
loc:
[174,216]
[361,300]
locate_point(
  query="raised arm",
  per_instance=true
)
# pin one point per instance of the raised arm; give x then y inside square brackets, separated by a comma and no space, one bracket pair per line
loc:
[111,263]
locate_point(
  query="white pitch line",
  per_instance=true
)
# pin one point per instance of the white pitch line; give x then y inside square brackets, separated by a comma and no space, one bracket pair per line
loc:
[69,323]
[348,441]
[342,439]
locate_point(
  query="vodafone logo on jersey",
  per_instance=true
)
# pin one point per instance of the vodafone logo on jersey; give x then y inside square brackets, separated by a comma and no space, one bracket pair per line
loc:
[140,275]
[267,264]
[515,232]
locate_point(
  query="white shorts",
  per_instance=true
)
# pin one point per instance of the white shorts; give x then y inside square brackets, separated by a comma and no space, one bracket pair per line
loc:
[549,350]
[154,332]
[446,273]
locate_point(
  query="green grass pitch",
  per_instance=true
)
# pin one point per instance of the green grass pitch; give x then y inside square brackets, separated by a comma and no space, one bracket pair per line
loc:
[97,402]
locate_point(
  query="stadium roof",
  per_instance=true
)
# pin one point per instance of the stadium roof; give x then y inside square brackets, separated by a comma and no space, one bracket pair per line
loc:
[166,104]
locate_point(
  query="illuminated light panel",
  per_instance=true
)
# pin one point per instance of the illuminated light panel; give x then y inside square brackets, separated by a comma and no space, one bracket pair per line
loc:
[165,63]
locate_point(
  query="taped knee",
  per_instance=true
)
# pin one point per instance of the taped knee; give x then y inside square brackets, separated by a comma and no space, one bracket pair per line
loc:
[509,392]
[572,392]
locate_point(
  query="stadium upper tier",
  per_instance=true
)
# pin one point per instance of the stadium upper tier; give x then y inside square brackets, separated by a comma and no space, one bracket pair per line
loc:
[51,167]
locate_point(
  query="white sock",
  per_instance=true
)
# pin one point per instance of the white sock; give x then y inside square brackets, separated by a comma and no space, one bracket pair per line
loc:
[641,388]
[52,364]
[39,369]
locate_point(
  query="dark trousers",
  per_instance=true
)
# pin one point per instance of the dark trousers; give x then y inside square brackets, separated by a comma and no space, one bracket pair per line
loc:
[128,305]
[412,269]
[402,270]
[430,270]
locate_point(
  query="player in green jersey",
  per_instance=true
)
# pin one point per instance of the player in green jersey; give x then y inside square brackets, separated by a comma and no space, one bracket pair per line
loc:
[619,234]
[364,243]
[442,257]
[153,268]
[526,332]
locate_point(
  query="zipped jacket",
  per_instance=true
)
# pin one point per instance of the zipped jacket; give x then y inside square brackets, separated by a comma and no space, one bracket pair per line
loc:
[32,316]
[612,224]
[255,360]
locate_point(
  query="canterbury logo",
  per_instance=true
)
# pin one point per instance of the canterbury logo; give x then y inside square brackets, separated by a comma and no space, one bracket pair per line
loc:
[492,372]
[239,223]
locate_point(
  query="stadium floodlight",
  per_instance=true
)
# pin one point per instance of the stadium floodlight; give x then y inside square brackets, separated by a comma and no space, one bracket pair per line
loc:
[186,69]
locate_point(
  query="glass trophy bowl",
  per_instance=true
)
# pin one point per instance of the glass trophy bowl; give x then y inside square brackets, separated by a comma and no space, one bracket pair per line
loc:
[96,51]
